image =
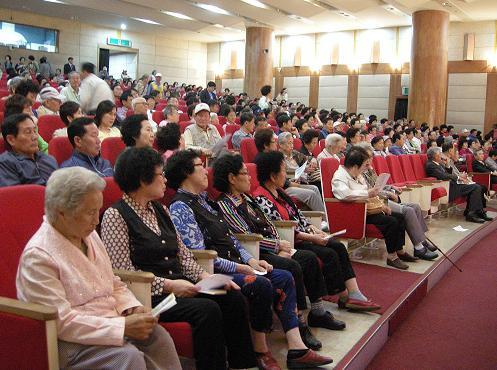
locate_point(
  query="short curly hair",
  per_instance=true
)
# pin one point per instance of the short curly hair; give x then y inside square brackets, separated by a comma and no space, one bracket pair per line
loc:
[309,135]
[179,166]
[262,138]
[222,168]
[131,127]
[268,164]
[134,166]
[168,137]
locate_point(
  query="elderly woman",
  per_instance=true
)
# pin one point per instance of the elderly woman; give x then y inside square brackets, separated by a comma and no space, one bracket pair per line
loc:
[105,118]
[201,226]
[169,140]
[139,235]
[378,145]
[348,184]
[337,269]
[100,324]
[334,145]
[137,132]
[243,215]
[415,222]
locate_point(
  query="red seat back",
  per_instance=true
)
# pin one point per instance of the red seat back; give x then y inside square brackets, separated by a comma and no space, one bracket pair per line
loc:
[184,117]
[183,125]
[112,193]
[418,166]
[211,190]
[219,128]
[47,124]
[252,171]
[405,163]
[2,105]
[157,116]
[297,144]
[22,212]
[469,162]
[222,120]
[2,145]
[60,148]
[328,168]
[248,150]
[111,148]
[316,151]
[396,173]
[231,129]
[380,166]
[322,143]
[129,112]
[272,122]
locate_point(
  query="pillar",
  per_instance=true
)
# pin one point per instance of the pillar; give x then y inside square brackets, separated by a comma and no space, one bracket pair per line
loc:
[258,60]
[428,68]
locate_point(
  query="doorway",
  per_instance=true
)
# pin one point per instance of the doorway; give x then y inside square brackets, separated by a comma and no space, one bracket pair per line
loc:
[118,59]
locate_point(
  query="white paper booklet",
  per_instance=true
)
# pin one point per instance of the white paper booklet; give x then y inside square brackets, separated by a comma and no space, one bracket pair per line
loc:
[381,181]
[300,171]
[165,305]
[214,281]
[340,232]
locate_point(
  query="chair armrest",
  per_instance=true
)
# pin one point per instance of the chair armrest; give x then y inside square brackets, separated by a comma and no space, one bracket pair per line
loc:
[313,213]
[205,259]
[135,276]
[286,230]
[284,223]
[249,237]
[354,223]
[315,217]
[25,309]
[251,243]
[335,200]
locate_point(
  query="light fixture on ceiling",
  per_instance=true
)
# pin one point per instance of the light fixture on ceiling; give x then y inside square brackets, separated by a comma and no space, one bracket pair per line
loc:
[213,8]
[446,3]
[146,21]
[54,1]
[177,15]
[123,26]
[299,18]
[346,15]
[255,3]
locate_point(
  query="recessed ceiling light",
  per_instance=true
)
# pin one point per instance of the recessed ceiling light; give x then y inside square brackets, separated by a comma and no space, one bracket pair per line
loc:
[123,26]
[256,3]
[146,21]
[55,1]
[299,18]
[213,8]
[177,15]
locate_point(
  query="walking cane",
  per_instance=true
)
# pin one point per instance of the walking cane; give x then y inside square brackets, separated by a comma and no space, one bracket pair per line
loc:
[436,246]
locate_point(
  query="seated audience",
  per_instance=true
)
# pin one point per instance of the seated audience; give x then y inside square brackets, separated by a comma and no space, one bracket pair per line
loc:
[105,119]
[201,135]
[23,162]
[100,323]
[169,140]
[328,127]
[201,226]
[302,126]
[171,115]
[460,185]
[415,223]
[246,130]
[398,144]
[479,166]
[310,139]
[334,144]
[410,146]
[285,124]
[490,162]
[139,235]
[261,123]
[51,101]
[276,204]
[83,135]
[353,137]
[68,112]
[136,131]
[71,91]
[122,111]
[348,184]
[378,146]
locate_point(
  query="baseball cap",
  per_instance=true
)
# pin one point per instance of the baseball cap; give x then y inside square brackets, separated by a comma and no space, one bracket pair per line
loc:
[200,107]
[337,123]
[465,131]
[158,74]
[51,93]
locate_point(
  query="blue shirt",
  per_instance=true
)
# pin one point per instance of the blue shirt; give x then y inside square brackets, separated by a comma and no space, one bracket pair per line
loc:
[396,150]
[237,137]
[18,169]
[97,164]
[187,227]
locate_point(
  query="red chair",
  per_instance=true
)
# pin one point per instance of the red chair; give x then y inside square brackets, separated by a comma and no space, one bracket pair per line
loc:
[183,125]
[248,150]
[160,107]
[2,105]
[47,124]
[1,118]
[237,120]
[317,149]
[129,112]
[222,120]
[219,129]
[4,93]
[211,190]
[440,189]
[2,145]
[380,166]
[355,222]
[272,122]
[275,129]
[395,170]
[60,148]
[252,171]
[111,148]
[184,117]
[297,144]
[322,143]
[27,329]
[231,129]
[158,116]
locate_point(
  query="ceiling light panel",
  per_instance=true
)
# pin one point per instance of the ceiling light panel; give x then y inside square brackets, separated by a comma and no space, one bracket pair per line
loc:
[146,21]
[256,3]
[212,8]
[177,15]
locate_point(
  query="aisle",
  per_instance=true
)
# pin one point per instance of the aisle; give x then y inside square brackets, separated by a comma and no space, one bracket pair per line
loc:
[455,326]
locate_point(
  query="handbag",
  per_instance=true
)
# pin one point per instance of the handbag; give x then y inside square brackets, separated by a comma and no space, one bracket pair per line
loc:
[374,206]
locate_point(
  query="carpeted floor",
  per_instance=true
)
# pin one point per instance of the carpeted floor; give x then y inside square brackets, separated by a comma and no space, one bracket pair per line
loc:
[386,286]
[455,326]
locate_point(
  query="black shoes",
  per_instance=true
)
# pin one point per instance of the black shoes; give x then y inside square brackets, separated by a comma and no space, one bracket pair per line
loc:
[430,246]
[309,340]
[473,217]
[406,257]
[326,321]
[425,254]
[483,215]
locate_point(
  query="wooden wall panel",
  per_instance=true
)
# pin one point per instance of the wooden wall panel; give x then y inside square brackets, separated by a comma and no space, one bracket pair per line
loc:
[395,91]
[491,102]
[314,90]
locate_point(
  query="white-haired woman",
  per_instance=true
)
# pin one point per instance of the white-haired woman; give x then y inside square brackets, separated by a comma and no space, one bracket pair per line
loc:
[100,324]
[334,145]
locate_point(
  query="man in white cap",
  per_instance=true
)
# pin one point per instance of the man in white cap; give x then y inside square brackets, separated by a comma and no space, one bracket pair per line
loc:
[157,85]
[51,101]
[201,135]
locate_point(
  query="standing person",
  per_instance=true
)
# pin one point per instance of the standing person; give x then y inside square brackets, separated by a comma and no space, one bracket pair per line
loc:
[69,66]
[265,98]
[283,95]
[93,90]
[45,68]
[7,63]
[32,66]
[209,93]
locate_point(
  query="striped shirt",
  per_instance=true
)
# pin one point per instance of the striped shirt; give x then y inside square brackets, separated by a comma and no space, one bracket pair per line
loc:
[191,235]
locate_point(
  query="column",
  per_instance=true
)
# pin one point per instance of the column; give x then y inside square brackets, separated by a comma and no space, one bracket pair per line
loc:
[258,60]
[428,69]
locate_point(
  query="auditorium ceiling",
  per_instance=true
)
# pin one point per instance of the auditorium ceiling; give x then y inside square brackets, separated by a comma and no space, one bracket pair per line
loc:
[225,20]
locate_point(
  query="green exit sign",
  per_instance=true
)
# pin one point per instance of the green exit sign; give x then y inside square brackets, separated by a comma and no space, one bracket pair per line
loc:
[118,42]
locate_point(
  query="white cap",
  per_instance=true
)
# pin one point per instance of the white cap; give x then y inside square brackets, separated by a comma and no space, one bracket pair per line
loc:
[51,93]
[465,131]
[200,107]
[158,74]
[337,123]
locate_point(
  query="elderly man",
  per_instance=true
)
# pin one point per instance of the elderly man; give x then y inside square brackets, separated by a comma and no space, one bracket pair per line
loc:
[157,85]
[83,135]
[171,115]
[398,144]
[140,106]
[71,91]
[51,102]
[100,324]
[460,184]
[93,89]
[334,144]
[23,163]
[202,136]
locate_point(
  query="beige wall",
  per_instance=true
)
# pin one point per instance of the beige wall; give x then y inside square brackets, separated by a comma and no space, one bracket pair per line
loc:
[177,60]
